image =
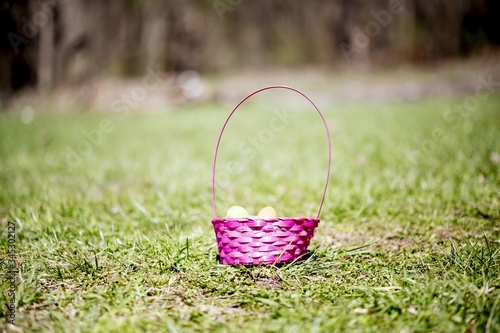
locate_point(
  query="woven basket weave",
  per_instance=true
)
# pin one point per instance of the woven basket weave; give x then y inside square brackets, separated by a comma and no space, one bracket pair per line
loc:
[264,241]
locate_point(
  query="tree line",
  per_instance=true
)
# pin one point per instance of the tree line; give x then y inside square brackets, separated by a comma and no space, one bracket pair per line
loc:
[54,42]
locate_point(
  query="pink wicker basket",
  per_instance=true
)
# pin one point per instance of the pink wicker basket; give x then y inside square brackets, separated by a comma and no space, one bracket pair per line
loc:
[264,241]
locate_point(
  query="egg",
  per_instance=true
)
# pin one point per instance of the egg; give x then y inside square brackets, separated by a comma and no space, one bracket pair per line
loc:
[267,212]
[237,212]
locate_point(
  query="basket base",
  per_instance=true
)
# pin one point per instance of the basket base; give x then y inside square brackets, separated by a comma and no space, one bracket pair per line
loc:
[260,261]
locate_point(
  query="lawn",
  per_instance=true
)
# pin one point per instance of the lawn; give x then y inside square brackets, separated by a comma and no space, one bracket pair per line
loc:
[113,213]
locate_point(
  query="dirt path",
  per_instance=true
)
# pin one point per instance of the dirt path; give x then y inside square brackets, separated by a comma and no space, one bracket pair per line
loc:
[160,92]
[456,78]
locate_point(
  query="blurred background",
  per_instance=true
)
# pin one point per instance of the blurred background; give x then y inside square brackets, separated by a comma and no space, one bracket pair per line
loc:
[85,52]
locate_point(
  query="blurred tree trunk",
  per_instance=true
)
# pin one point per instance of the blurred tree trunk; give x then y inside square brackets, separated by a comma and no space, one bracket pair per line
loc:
[155,29]
[440,25]
[18,53]
[46,47]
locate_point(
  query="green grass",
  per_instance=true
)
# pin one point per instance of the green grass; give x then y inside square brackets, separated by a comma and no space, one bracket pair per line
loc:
[119,239]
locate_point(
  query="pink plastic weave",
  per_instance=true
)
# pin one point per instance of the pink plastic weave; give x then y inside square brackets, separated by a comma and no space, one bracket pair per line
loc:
[257,241]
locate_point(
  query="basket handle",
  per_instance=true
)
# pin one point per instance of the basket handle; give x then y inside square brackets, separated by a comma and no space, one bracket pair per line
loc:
[231,114]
